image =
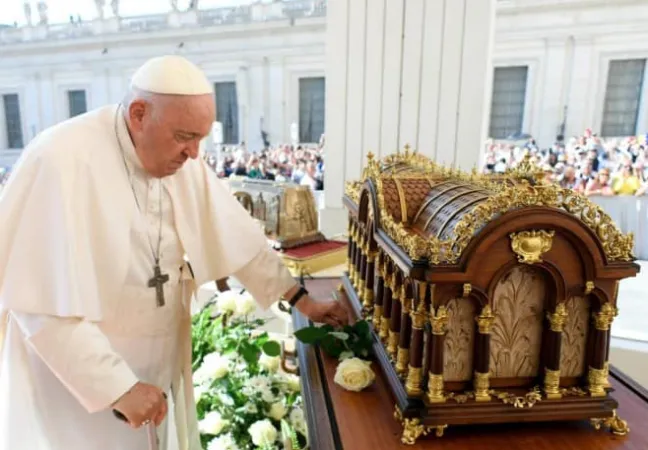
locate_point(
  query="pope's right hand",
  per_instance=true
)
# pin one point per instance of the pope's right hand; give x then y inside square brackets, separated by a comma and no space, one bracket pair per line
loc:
[142,404]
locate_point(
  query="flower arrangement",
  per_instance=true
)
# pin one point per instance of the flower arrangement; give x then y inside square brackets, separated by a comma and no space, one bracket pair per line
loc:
[350,345]
[244,401]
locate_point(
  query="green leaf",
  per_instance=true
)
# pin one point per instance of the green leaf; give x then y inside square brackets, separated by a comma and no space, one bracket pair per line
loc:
[362,328]
[272,348]
[310,335]
[346,355]
[249,352]
[332,346]
[340,335]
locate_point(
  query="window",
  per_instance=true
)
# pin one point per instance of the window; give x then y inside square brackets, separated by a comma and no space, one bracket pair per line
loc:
[507,104]
[622,95]
[227,111]
[77,102]
[12,120]
[312,93]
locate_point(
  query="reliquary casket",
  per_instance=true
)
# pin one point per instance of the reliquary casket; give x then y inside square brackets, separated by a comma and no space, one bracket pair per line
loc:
[491,297]
[287,211]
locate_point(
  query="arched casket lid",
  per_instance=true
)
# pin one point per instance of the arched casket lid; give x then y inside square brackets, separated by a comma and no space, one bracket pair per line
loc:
[433,212]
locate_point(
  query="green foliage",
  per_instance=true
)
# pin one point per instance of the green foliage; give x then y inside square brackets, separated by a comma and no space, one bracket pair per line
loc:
[236,376]
[349,341]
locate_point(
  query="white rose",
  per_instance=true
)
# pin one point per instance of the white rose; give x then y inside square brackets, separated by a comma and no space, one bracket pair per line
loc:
[291,382]
[245,304]
[267,395]
[298,421]
[199,391]
[263,433]
[224,442]
[226,302]
[277,411]
[212,424]
[271,363]
[213,367]
[354,374]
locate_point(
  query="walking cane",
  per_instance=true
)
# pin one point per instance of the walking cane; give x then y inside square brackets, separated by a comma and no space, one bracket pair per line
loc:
[150,431]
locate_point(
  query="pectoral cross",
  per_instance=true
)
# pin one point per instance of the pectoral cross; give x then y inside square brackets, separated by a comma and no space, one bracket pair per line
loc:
[157,282]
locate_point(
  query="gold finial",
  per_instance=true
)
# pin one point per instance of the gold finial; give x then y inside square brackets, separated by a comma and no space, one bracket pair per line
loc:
[370,156]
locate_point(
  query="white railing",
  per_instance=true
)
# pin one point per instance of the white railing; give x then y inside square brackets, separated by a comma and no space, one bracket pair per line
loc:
[253,13]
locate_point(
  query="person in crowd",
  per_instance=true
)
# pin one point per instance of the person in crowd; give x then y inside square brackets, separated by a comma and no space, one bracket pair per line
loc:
[600,185]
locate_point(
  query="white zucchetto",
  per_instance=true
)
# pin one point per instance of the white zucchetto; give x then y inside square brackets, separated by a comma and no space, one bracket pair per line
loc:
[171,74]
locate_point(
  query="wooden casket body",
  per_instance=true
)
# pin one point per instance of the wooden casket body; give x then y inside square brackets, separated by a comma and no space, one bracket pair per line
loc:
[288,211]
[491,297]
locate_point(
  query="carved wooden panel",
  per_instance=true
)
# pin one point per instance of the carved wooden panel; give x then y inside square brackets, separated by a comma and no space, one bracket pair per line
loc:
[459,341]
[574,340]
[518,304]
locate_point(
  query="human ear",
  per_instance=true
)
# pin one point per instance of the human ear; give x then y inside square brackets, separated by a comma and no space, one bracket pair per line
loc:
[136,113]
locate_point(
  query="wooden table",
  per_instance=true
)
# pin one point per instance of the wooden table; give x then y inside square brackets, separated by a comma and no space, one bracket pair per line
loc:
[342,420]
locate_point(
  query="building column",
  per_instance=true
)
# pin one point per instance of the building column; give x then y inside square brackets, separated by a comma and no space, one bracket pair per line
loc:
[434,61]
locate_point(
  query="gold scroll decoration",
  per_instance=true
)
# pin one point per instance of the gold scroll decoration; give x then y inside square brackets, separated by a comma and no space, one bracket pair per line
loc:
[531,245]
[525,187]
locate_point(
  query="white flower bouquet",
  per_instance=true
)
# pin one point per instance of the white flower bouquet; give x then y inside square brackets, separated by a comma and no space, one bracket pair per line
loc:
[243,399]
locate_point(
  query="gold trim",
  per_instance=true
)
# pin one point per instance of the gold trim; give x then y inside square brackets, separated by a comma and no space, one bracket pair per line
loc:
[418,316]
[552,384]
[485,320]
[615,424]
[439,321]
[457,211]
[558,319]
[531,245]
[435,388]
[402,361]
[518,188]
[603,318]
[368,298]
[402,199]
[429,200]
[413,383]
[467,289]
[596,381]
[606,368]
[377,316]
[589,287]
[448,202]
[309,266]
[392,343]
[481,383]
[384,328]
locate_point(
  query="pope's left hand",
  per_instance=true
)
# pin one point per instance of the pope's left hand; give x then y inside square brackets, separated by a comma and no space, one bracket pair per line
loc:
[332,312]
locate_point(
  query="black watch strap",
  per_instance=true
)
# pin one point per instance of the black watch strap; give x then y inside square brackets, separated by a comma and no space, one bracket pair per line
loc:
[298,296]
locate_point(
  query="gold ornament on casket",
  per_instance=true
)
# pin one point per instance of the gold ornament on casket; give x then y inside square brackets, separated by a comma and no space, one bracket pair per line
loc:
[502,271]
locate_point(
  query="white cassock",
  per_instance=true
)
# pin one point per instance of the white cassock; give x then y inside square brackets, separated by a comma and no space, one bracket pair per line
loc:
[81,324]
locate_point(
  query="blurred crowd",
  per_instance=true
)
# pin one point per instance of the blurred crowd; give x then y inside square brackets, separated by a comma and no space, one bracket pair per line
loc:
[588,164]
[297,164]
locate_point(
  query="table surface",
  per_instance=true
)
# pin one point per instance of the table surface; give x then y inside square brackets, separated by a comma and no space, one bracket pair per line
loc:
[339,419]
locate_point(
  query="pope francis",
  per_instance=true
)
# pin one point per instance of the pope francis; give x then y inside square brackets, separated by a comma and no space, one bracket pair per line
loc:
[109,222]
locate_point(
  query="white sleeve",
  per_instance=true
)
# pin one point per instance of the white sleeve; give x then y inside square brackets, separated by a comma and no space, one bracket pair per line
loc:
[80,356]
[266,278]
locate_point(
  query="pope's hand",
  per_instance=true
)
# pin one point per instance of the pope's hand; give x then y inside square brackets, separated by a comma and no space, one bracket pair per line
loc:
[144,403]
[332,312]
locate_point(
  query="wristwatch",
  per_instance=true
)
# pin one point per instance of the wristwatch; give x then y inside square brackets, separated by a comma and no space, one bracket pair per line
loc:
[293,300]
